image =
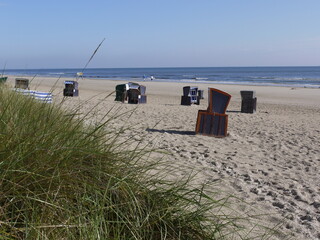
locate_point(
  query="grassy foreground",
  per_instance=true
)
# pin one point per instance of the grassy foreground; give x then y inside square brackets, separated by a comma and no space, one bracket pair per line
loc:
[62,179]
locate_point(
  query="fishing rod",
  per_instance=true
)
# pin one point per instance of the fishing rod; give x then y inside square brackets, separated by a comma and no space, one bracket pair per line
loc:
[94,53]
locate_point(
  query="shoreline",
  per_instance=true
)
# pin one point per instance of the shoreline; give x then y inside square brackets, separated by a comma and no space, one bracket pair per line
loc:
[185,81]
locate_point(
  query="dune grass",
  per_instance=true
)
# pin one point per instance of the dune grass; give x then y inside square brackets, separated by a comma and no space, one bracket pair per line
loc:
[63,179]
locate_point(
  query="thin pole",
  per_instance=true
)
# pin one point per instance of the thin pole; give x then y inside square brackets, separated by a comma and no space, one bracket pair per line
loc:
[92,55]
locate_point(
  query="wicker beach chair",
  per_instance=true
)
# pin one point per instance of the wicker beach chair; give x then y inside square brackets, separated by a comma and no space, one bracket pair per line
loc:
[248,101]
[121,92]
[71,89]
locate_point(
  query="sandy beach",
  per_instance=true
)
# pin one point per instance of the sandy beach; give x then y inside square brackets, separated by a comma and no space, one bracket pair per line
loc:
[271,159]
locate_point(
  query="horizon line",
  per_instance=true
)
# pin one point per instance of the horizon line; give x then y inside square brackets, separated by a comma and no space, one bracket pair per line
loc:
[264,66]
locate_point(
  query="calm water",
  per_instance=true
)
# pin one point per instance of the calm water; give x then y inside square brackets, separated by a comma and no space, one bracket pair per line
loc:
[280,76]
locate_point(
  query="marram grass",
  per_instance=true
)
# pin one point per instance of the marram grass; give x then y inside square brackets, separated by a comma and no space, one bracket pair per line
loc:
[62,179]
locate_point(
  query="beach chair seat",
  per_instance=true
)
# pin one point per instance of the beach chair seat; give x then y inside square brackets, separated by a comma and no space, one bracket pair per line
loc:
[186,100]
[212,124]
[133,96]
[218,101]
[249,105]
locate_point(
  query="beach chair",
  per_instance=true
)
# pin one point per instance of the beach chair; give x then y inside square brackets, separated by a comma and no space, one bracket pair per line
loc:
[214,120]
[133,96]
[71,89]
[121,92]
[218,101]
[190,96]
[136,93]
[248,101]
[22,83]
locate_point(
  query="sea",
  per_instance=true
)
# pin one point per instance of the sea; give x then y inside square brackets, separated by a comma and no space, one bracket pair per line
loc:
[308,77]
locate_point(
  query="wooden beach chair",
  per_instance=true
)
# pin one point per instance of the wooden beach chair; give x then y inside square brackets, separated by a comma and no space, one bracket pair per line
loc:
[248,101]
[214,121]
[71,89]
[22,83]
[212,124]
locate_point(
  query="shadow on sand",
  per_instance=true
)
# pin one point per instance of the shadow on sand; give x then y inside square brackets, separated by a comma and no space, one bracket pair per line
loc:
[171,131]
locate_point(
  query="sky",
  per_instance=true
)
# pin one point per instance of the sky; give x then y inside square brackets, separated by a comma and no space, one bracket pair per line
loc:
[37,34]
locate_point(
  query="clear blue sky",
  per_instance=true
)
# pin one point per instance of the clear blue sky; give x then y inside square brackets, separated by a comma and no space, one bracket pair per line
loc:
[159,33]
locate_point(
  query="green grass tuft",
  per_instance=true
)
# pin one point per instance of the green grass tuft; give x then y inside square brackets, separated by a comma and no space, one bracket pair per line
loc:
[62,179]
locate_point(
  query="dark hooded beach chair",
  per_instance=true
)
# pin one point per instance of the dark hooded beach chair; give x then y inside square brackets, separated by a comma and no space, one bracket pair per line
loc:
[71,89]
[248,101]
[136,93]
[22,83]
[214,120]
[133,96]
[121,92]
[190,96]
[133,93]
